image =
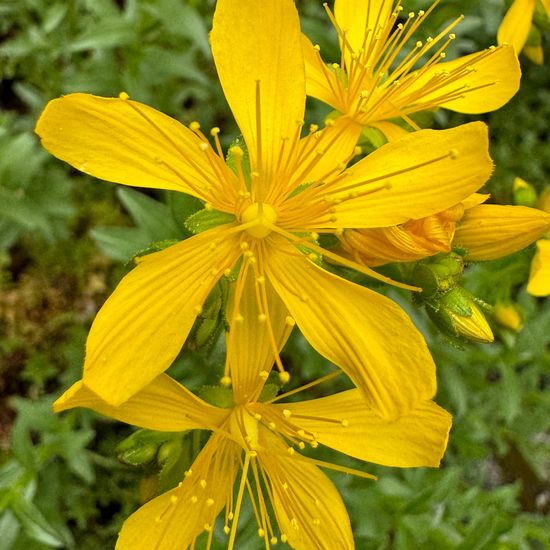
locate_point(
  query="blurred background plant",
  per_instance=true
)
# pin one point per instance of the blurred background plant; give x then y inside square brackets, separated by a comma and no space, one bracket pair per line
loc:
[65,240]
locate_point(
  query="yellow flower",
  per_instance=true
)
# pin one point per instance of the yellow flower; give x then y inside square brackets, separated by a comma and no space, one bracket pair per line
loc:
[264,440]
[298,189]
[539,278]
[516,25]
[508,315]
[374,83]
[484,231]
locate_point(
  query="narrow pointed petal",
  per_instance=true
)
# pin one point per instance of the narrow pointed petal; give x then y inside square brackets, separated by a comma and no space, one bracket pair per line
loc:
[418,438]
[176,518]
[308,507]
[141,327]
[490,231]
[250,345]
[321,82]
[516,24]
[539,278]
[325,152]
[481,82]
[350,325]
[258,43]
[127,142]
[421,174]
[361,20]
[163,405]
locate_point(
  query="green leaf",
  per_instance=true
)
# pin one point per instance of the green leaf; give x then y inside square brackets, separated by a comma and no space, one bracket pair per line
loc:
[119,243]
[106,34]
[35,525]
[9,529]
[150,215]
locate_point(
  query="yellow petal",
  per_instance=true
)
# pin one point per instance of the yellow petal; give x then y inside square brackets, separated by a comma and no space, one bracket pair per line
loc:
[480,82]
[324,153]
[539,279]
[253,341]
[127,142]
[308,507]
[174,519]
[361,20]
[421,174]
[254,44]
[534,53]
[516,24]
[352,326]
[391,131]
[140,329]
[418,438]
[321,82]
[489,231]
[163,405]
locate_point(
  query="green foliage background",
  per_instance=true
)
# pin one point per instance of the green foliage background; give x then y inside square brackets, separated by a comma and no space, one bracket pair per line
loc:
[65,238]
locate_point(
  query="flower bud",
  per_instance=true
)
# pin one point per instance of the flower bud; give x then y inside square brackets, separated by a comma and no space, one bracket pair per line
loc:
[457,314]
[524,193]
[509,316]
[438,274]
[138,449]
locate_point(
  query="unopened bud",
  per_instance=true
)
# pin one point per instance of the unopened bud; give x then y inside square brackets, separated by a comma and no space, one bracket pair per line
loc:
[524,193]
[544,200]
[509,316]
[438,274]
[457,314]
[140,448]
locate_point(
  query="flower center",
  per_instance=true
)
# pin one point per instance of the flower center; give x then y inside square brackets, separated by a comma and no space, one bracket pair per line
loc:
[262,215]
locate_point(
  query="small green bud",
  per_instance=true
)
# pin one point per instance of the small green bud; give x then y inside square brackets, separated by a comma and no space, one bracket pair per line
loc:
[524,193]
[140,448]
[456,313]
[169,452]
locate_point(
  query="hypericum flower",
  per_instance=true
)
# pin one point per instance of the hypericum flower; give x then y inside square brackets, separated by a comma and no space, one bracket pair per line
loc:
[293,501]
[509,315]
[539,278]
[374,83]
[516,26]
[298,189]
[484,231]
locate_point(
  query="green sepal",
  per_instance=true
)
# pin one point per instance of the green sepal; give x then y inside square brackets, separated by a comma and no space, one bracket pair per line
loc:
[269,391]
[151,249]
[219,396]
[206,219]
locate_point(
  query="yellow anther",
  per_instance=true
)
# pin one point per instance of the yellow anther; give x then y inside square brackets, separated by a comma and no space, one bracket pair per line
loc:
[262,317]
[236,151]
[272,426]
[273,540]
[285,486]
[225,381]
[226,529]
[209,502]
[257,417]
[173,499]
[312,256]
[203,483]
[123,95]
[215,131]
[194,126]
[316,522]
[208,206]
[317,47]
[194,499]
[260,280]
[314,444]
[302,445]
[287,413]
[198,309]
[335,66]
[203,146]
[291,451]
[284,377]
[419,44]
[239,318]
[261,533]
[284,538]
[290,321]
[227,272]
[244,246]
[452,36]
[244,194]
[345,423]
[207,527]
[187,473]
[264,375]
[313,128]
[253,454]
